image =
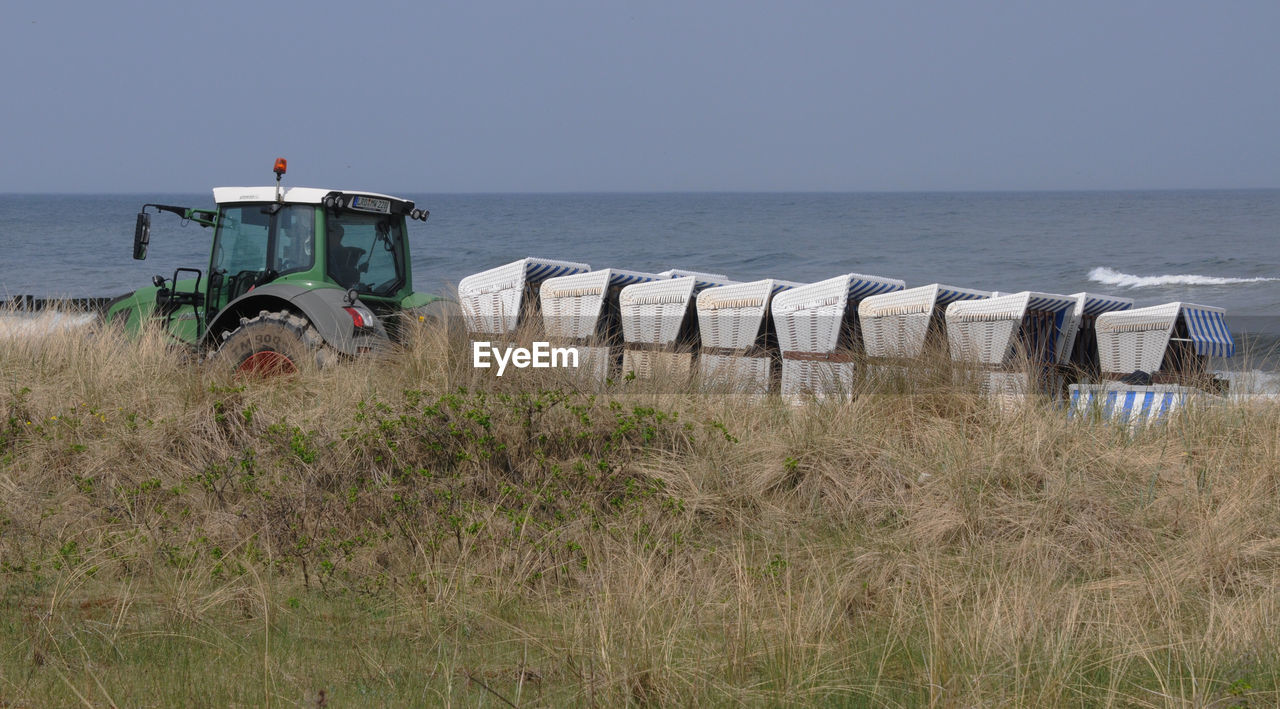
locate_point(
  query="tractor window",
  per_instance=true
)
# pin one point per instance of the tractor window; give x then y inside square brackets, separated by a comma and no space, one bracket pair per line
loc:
[295,239]
[241,244]
[366,252]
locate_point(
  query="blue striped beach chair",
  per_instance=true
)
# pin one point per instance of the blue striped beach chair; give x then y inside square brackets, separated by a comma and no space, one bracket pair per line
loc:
[1174,339]
[897,327]
[1129,405]
[1164,354]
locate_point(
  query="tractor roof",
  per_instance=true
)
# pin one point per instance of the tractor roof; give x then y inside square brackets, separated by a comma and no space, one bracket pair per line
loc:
[296,195]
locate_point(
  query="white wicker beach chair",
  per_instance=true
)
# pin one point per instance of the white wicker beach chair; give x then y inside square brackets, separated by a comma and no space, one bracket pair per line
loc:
[991,331]
[739,345]
[1174,339]
[660,325]
[1168,346]
[582,310]
[818,332]
[897,327]
[1079,345]
[495,302]
[897,324]
[1015,338]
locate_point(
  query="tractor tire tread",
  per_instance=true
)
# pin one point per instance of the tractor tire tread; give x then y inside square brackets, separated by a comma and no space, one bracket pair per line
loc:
[297,338]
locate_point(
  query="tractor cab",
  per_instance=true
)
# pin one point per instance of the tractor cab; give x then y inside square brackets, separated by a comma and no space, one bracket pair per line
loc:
[349,240]
[338,259]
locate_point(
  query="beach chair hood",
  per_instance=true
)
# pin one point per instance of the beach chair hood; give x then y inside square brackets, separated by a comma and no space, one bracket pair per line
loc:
[493,300]
[897,324]
[732,317]
[655,312]
[986,331]
[1088,307]
[1136,340]
[810,318]
[572,305]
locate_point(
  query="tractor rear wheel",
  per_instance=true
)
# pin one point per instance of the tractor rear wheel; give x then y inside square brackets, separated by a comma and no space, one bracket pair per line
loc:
[270,343]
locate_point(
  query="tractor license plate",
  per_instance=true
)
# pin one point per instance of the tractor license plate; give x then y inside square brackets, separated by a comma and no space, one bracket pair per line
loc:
[371,204]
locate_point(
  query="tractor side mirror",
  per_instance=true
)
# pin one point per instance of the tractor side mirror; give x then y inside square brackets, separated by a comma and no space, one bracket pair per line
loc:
[141,236]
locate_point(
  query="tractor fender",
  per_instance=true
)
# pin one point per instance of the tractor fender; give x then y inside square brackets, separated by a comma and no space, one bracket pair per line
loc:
[322,306]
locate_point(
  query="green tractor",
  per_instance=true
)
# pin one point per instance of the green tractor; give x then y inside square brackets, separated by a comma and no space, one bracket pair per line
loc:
[297,275]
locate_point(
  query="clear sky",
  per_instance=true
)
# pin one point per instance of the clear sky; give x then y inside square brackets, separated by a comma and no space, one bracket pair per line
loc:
[641,95]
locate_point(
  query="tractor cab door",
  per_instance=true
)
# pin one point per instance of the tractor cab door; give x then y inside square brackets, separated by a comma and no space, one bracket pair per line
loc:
[255,244]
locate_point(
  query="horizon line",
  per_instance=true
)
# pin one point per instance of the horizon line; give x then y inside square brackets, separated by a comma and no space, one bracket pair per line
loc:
[1079,190]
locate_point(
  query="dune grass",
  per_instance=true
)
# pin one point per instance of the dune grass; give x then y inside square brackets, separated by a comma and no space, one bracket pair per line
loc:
[406,531]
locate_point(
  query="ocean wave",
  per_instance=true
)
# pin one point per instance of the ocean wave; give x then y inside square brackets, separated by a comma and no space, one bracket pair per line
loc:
[1112,277]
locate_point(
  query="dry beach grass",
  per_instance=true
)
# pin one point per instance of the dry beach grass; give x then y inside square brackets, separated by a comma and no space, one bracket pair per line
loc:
[407,531]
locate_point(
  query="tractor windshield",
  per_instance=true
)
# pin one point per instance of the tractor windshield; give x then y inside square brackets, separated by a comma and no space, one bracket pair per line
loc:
[246,241]
[366,252]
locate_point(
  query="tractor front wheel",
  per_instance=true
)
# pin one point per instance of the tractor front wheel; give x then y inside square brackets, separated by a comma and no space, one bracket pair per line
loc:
[273,343]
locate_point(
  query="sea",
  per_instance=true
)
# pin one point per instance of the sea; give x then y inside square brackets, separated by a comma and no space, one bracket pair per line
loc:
[1209,247]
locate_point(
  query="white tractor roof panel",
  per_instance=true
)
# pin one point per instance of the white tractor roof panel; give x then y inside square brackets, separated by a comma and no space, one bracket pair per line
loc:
[296,195]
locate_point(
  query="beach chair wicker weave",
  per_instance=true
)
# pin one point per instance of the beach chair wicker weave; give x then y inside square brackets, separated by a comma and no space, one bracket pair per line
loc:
[1016,338]
[899,327]
[739,347]
[1079,347]
[496,301]
[583,310]
[897,324]
[659,323]
[1174,339]
[818,332]
[990,330]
